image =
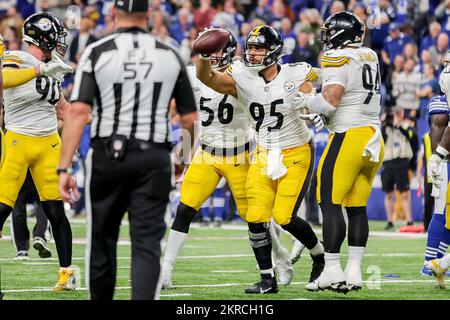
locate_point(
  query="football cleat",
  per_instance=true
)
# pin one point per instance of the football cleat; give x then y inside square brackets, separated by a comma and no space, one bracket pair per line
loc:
[353,276]
[296,252]
[317,267]
[21,255]
[66,280]
[330,279]
[284,268]
[266,285]
[426,272]
[438,272]
[41,246]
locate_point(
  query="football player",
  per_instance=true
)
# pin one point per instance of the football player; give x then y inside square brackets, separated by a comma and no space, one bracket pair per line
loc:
[438,237]
[350,98]
[32,141]
[281,168]
[225,143]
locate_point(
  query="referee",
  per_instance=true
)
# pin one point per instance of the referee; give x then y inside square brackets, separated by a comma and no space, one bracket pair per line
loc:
[128,78]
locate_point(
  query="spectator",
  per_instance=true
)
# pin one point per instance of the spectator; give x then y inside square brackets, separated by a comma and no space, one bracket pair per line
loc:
[394,173]
[304,51]
[404,89]
[431,39]
[230,18]
[426,57]
[204,15]
[262,12]
[429,87]
[289,38]
[442,13]
[381,14]
[82,39]
[440,50]
[394,44]
[179,30]
[186,46]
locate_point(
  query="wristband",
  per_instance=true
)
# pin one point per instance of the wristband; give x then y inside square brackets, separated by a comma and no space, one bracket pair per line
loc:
[441,152]
[63,170]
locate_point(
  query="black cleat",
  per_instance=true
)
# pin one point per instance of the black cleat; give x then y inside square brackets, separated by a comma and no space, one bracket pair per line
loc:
[317,267]
[264,286]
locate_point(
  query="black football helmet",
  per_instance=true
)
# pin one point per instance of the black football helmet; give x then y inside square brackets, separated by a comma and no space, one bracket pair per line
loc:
[341,29]
[228,53]
[269,38]
[46,31]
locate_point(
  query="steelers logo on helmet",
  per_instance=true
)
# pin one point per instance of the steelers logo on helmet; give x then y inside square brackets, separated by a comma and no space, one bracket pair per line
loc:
[268,38]
[45,24]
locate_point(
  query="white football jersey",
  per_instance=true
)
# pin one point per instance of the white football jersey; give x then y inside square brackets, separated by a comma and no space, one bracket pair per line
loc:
[357,69]
[270,105]
[30,108]
[224,122]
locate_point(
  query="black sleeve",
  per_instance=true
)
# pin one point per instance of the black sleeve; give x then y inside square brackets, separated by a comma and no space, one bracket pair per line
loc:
[183,94]
[84,84]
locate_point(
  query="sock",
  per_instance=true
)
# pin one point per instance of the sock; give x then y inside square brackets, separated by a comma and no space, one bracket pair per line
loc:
[259,235]
[332,260]
[317,250]
[277,248]
[175,242]
[434,236]
[445,241]
[302,231]
[355,254]
[358,226]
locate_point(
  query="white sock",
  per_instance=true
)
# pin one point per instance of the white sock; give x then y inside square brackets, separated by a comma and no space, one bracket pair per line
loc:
[332,260]
[355,254]
[277,248]
[445,262]
[317,250]
[175,242]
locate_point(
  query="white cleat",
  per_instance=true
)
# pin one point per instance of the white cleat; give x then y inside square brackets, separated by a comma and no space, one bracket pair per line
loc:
[353,276]
[284,268]
[332,278]
[296,252]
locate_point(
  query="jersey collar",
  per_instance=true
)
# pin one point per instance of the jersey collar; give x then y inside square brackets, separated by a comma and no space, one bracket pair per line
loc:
[130,30]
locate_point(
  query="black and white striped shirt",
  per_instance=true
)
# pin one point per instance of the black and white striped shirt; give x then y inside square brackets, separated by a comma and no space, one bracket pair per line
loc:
[129,78]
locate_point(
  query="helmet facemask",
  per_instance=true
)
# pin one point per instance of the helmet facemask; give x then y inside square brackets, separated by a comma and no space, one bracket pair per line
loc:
[271,56]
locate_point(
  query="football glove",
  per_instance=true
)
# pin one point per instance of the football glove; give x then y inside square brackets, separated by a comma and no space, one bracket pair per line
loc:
[56,68]
[434,170]
[319,120]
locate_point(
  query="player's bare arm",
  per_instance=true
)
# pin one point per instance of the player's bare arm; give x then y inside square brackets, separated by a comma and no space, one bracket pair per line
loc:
[439,123]
[333,93]
[218,81]
[62,107]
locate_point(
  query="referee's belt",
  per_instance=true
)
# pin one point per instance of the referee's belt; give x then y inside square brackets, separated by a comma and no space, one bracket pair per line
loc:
[134,144]
[226,151]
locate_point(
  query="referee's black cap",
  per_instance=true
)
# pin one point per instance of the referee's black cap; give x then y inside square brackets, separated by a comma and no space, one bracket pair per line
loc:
[132,5]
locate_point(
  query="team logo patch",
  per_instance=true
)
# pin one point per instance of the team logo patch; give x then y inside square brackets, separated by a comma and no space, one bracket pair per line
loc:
[289,86]
[45,24]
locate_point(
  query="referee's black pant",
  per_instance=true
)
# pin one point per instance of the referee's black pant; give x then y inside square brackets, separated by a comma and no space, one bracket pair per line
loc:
[140,185]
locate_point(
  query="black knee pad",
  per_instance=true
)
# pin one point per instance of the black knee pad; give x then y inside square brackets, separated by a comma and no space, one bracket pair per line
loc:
[183,218]
[259,234]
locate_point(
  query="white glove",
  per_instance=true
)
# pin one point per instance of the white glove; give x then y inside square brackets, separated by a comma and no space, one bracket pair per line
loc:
[434,170]
[56,68]
[301,99]
[318,120]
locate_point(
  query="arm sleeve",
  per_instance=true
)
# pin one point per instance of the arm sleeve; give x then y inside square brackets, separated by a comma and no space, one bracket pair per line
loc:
[84,83]
[15,77]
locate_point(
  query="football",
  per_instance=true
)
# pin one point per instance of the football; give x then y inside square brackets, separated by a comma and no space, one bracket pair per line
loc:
[211,40]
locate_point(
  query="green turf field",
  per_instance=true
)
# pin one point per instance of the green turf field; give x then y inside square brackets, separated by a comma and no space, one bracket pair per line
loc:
[217,263]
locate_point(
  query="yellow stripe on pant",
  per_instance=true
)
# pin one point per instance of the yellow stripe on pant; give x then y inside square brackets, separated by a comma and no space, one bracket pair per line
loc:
[204,174]
[41,155]
[280,198]
[447,207]
[2,148]
[344,176]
